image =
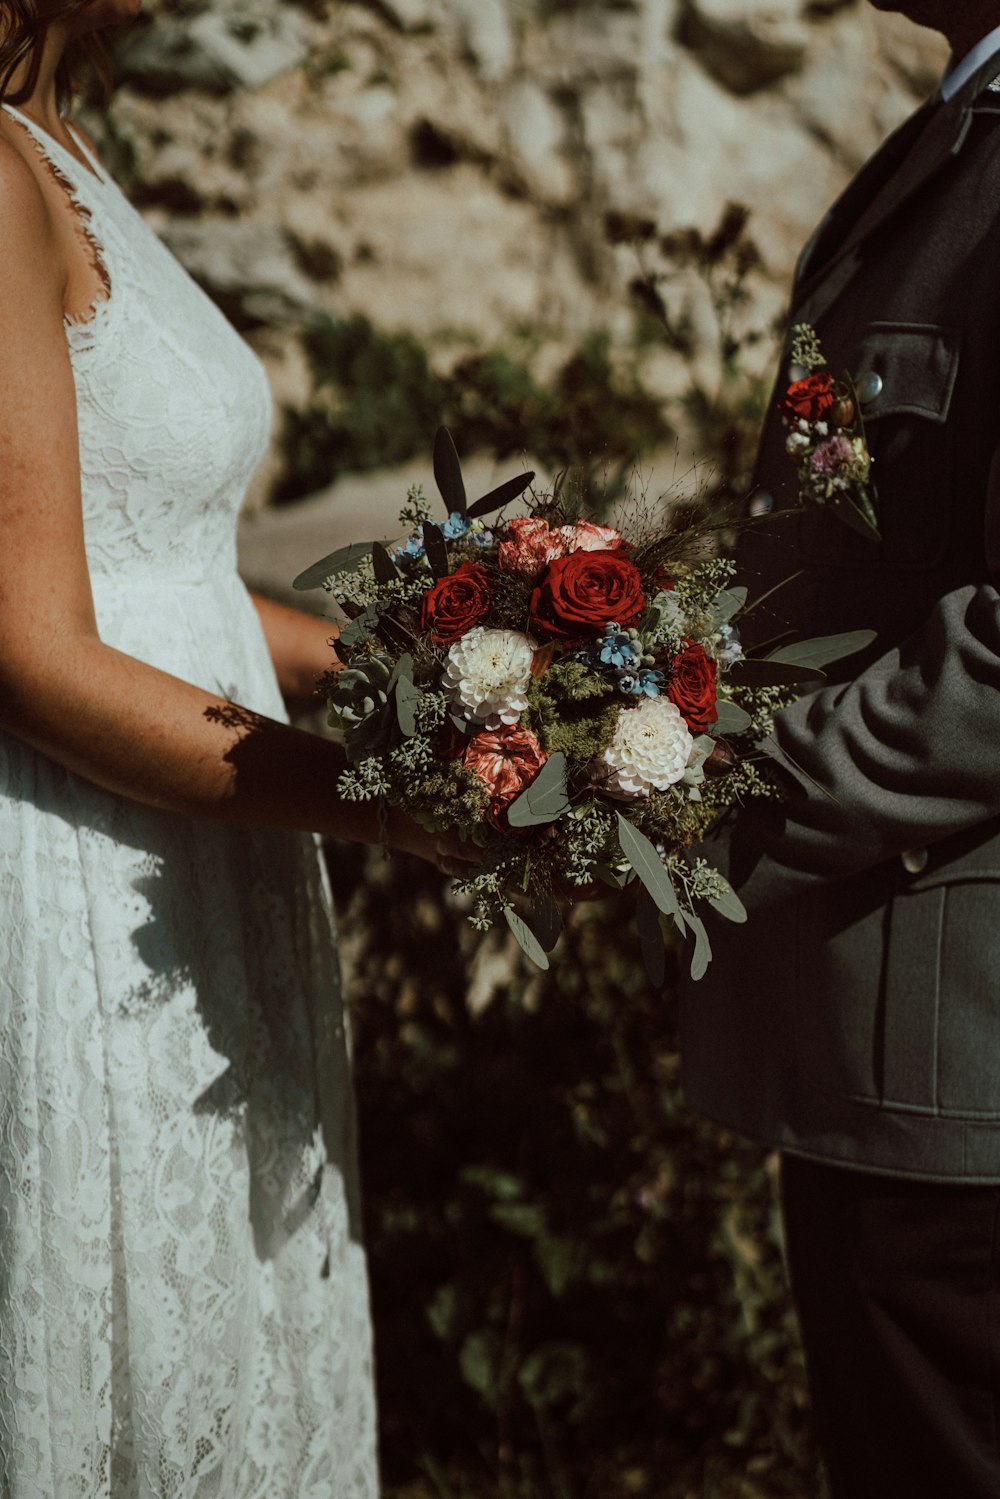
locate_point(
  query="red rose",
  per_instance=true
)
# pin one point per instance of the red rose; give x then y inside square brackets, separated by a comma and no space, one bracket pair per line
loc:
[810,399]
[578,595]
[455,603]
[506,762]
[692,687]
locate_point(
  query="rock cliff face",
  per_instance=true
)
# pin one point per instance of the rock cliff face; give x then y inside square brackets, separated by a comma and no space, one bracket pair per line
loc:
[463,169]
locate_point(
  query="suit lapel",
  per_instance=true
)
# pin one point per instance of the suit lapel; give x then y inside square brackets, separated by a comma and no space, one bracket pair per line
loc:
[831,234]
[922,147]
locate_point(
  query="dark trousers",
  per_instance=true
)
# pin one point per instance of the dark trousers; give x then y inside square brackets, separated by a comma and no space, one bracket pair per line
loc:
[898,1289]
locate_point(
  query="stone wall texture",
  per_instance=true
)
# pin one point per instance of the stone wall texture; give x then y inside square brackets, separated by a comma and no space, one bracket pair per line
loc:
[469,169]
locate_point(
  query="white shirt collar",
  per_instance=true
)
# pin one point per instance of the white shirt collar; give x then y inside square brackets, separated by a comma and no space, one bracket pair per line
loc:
[960,70]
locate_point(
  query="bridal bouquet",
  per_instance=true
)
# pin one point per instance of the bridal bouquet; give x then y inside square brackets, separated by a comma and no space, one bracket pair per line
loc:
[571,698]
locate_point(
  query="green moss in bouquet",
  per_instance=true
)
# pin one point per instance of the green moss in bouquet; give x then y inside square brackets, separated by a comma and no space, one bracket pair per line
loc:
[578,1287]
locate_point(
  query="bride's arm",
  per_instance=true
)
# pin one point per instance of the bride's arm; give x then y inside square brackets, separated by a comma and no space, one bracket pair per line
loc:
[300,648]
[126,726]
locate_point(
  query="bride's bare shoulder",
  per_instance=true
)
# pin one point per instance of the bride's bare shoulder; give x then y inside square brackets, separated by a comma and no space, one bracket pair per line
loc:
[22,202]
[26,228]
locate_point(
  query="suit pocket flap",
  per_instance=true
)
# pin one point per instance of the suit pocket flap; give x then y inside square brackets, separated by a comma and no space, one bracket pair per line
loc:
[917,364]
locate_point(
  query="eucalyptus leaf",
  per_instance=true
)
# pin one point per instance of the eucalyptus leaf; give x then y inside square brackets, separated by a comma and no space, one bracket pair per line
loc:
[503,495]
[751,672]
[448,472]
[647,920]
[702,955]
[729,905]
[385,569]
[436,548]
[358,629]
[664,612]
[547,919]
[344,560]
[609,876]
[727,605]
[824,648]
[860,518]
[648,866]
[407,696]
[732,718]
[402,668]
[462,725]
[526,938]
[545,800]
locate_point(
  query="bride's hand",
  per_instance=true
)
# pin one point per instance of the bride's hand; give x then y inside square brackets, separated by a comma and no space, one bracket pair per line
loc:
[452,855]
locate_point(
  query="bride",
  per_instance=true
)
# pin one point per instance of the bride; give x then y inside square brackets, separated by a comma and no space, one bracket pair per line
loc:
[183,1303]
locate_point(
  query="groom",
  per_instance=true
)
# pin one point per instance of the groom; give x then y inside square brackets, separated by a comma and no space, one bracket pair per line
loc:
[855,1023]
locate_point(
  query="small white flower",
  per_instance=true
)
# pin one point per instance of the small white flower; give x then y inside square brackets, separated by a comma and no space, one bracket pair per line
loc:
[487,674]
[822,429]
[797,443]
[651,749]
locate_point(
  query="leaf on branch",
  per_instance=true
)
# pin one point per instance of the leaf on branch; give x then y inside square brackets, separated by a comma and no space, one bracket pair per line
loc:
[547,919]
[526,938]
[732,718]
[437,549]
[648,866]
[407,696]
[727,605]
[545,800]
[647,920]
[729,905]
[702,955]
[344,560]
[448,472]
[824,648]
[751,672]
[503,495]
[360,627]
[385,568]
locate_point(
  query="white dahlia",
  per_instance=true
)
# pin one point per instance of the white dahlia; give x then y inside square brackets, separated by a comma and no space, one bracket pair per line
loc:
[650,750]
[487,674]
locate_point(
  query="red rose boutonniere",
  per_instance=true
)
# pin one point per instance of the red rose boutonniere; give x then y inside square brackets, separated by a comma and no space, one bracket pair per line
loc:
[826,439]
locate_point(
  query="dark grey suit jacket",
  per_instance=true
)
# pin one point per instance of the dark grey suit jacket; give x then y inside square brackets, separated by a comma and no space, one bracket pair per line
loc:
[856,1018]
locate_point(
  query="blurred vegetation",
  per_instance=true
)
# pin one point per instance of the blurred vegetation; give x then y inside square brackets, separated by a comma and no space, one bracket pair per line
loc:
[578,1287]
[378,398]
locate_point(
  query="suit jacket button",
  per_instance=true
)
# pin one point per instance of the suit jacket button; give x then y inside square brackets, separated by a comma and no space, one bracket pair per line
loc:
[869,387]
[915,861]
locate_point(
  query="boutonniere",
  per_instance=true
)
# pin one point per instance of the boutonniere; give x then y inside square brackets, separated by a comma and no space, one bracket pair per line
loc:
[826,438]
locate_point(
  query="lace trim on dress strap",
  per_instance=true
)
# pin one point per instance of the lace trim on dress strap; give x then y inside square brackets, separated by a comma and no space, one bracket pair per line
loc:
[82,328]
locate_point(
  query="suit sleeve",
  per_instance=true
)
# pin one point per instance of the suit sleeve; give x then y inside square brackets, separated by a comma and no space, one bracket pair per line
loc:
[902,757]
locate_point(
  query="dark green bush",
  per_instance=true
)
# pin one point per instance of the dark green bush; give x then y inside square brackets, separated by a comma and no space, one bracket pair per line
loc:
[380,402]
[578,1287]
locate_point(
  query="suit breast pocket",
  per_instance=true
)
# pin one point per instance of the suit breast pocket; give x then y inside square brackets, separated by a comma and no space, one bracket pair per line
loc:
[906,373]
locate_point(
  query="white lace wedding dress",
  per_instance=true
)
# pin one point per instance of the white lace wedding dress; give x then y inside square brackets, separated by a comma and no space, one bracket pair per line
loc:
[183,1299]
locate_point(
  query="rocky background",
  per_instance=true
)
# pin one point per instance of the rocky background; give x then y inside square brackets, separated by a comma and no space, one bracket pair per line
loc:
[473,179]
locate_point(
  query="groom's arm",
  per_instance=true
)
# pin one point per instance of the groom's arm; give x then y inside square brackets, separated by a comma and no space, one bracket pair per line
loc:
[905,755]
